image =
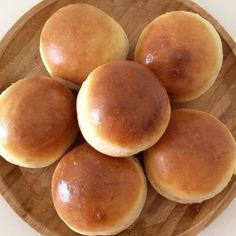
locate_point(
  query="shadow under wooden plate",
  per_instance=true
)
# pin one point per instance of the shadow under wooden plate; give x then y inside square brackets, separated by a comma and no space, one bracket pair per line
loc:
[28,191]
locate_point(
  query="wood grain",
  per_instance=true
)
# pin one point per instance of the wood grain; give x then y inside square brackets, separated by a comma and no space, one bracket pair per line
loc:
[28,191]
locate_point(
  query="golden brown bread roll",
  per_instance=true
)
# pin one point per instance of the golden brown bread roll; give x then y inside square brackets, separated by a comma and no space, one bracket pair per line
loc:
[95,194]
[195,158]
[78,38]
[37,122]
[184,51]
[122,108]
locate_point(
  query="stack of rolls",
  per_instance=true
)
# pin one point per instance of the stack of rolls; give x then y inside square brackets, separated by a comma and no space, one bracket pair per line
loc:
[122,108]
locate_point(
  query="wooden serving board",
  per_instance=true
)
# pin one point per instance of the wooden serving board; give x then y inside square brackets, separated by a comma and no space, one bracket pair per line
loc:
[28,191]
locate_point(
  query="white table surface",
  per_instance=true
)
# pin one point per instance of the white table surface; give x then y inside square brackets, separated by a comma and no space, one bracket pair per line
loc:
[223,11]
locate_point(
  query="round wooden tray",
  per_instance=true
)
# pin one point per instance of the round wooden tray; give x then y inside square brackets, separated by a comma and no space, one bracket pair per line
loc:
[28,191]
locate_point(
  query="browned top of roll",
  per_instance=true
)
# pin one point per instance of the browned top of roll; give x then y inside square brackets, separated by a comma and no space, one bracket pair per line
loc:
[184,50]
[37,119]
[195,156]
[126,102]
[93,192]
[78,38]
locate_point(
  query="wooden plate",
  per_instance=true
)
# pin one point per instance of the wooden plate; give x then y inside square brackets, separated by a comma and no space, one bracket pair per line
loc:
[28,191]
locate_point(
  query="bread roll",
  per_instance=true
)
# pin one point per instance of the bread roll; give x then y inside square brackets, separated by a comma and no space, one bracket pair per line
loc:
[78,38]
[195,158]
[95,194]
[37,122]
[122,108]
[184,50]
